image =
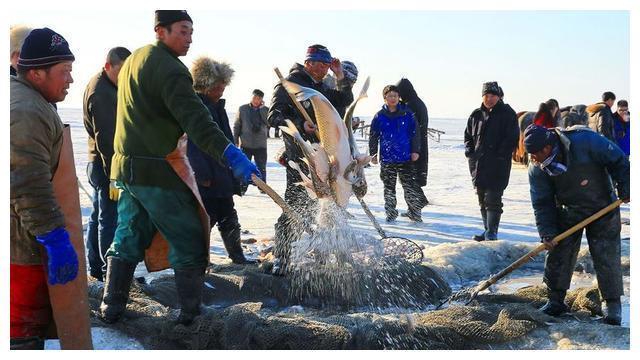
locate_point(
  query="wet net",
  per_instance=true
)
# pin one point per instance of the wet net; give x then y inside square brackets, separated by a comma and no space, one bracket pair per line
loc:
[250,310]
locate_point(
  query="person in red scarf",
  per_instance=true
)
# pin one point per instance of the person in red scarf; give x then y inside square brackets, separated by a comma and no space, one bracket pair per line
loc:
[544,117]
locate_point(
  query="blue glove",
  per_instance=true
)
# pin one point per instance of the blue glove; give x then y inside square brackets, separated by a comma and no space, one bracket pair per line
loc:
[241,166]
[63,261]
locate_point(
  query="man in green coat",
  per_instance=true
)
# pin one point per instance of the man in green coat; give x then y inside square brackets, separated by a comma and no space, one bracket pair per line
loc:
[156,106]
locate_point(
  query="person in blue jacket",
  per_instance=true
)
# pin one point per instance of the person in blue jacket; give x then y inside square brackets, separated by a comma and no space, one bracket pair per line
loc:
[570,179]
[395,130]
[622,127]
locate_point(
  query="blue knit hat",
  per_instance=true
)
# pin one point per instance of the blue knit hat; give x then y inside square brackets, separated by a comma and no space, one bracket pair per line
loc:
[537,137]
[318,53]
[43,47]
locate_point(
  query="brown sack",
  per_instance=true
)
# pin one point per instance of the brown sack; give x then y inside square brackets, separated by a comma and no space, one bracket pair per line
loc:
[156,257]
[69,301]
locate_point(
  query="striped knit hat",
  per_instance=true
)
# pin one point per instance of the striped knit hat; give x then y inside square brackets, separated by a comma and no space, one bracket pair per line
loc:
[42,48]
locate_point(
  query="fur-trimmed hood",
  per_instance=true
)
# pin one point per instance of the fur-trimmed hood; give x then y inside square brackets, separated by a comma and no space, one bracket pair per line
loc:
[594,108]
[207,71]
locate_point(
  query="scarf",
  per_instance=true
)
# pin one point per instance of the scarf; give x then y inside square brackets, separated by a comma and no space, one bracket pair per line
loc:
[551,166]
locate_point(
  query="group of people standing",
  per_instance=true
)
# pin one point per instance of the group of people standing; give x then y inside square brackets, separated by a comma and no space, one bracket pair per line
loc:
[144,190]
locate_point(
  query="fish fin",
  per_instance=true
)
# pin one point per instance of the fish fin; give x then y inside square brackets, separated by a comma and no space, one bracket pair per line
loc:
[302,93]
[350,172]
[365,87]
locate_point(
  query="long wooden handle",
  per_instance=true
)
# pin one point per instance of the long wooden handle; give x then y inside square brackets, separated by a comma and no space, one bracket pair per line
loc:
[278,200]
[372,218]
[302,111]
[530,255]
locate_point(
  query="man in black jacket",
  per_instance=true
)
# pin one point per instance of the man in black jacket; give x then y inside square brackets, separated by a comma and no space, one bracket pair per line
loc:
[99,108]
[419,109]
[601,118]
[490,137]
[317,63]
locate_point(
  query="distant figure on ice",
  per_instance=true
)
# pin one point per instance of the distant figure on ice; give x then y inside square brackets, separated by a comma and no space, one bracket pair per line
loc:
[38,225]
[395,130]
[570,181]
[622,127]
[156,106]
[490,137]
[409,97]
[317,63]
[250,130]
[601,117]
[99,114]
[17,34]
[216,183]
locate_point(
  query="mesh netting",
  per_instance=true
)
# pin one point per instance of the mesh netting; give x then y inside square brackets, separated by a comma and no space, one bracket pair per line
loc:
[235,320]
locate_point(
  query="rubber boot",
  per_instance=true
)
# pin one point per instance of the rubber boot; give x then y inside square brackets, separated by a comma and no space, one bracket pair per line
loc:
[555,306]
[493,222]
[612,312]
[189,285]
[231,239]
[480,237]
[30,343]
[116,288]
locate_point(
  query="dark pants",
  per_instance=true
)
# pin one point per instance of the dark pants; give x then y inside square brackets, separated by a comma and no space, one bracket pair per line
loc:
[103,221]
[603,237]
[489,200]
[259,156]
[286,230]
[413,194]
[221,211]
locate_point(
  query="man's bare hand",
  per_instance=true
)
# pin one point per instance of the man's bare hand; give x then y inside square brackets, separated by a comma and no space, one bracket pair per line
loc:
[415,156]
[309,127]
[374,159]
[336,68]
[548,242]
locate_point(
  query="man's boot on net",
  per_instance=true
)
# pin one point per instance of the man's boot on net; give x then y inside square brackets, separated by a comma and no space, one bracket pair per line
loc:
[116,288]
[189,285]
[612,312]
[480,237]
[555,306]
[231,239]
[493,222]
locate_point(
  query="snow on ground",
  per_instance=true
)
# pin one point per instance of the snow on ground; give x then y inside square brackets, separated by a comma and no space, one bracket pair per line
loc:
[450,220]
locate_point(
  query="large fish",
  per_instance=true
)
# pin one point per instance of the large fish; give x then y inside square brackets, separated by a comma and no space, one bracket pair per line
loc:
[359,183]
[331,160]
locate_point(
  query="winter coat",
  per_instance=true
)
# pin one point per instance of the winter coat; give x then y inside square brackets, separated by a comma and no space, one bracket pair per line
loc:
[489,139]
[573,115]
[35,137]
[590,160]
[397,133]
[419,109]
[99,113]
[156,106]
[622,133]
[601,120]
[209,172]
[282,108]
[545,121]
[251,128]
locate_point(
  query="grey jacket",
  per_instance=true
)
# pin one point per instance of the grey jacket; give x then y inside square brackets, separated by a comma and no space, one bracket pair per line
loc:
[36,140]
[244,130]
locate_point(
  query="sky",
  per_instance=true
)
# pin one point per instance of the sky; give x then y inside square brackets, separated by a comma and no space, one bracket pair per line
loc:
[570,55]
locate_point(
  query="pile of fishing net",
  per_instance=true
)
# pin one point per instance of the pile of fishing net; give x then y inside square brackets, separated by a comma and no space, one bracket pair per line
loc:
[248,309]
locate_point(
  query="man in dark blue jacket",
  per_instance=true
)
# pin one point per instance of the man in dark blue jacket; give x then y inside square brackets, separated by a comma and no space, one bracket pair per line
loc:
[397,132]
[570,178]
[491,135]
[99,110]
[216,183]
[622,127]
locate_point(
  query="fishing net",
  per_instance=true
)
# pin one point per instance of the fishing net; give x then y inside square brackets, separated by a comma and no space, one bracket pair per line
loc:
[251,310]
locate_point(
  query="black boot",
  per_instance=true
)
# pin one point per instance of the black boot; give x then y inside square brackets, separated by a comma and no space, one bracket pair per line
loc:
[231,239]
[493,222]
[555,306]
[480,237]
[30,343]
[612,312]
[189,284]
[116,288]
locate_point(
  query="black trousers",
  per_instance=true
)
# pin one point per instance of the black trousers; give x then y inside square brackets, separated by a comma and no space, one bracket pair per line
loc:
[413,194]
[260,158]
[489,200]
[603,237]
[287,230]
